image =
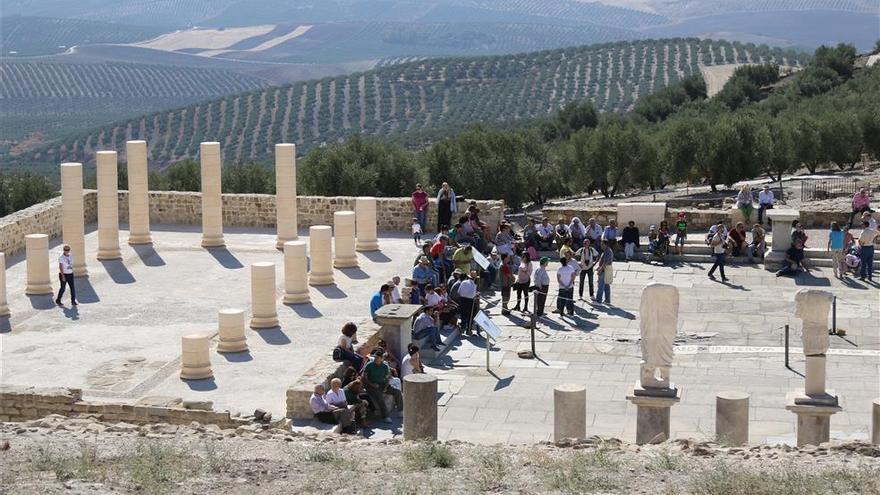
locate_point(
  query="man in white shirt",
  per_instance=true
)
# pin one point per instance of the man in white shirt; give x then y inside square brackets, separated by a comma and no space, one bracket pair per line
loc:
[765,202]
[565,277]
[719,250]
[594,232]
[65,275]
[542,285]
[395,291]
[326,412]
[546,234]
[412,362]
[467,302]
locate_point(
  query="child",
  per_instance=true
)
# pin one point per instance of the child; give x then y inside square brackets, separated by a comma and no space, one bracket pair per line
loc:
[417,231]
[838,253]
[630,239]
[681,228]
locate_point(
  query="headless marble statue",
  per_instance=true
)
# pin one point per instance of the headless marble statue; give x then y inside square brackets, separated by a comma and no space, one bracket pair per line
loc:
[812,309]
[658,322]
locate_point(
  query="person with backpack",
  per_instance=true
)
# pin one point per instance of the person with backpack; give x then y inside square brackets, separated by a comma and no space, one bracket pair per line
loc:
[605,271]
[586,257]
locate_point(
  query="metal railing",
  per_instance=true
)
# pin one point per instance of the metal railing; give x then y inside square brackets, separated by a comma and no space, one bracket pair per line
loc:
[817,190]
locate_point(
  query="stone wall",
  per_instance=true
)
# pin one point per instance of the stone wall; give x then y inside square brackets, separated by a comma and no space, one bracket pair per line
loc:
[26,403]
[41,218]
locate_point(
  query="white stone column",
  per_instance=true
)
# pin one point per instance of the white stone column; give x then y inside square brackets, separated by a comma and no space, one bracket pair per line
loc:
[365,213]
[108,206]
[230,323]
[4,307]
[37,249]
[732,418]
[212,200]
[138,193]
[875,422]
[569,411]
[420,411]
[263,311]
[195,358]
[73,217]
[296,277]
[343,237]
[320,251]
[285,193]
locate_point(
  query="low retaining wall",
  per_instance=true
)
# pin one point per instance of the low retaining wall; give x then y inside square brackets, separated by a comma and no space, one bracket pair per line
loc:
[41,218]
[19,403]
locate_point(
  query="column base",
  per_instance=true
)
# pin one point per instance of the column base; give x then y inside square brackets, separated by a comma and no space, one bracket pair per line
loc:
[4,310]
[296,297]
[209,242]
[345,262]
[813,421]
[38,290]
[279,242]
[80,271]
[367,246]
[321,279]
[239,345]
[653,417]
[199,373]
[264,322]
[137,240]
[773,260]
[110,255]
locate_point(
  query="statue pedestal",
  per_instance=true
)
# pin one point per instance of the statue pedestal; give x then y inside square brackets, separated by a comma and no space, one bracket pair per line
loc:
[813,416]
[781,231]
[396,321]
[654,404]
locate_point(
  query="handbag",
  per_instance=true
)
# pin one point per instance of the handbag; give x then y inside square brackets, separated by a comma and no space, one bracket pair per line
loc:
[337,354]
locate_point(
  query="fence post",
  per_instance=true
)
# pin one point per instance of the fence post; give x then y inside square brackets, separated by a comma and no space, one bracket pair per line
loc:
[834,316]
[532,324]
[786,346]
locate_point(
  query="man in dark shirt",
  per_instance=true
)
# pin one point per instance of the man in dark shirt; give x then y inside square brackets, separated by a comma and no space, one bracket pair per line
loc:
[794,260]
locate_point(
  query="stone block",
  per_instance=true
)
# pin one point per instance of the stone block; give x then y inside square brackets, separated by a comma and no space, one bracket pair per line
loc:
[643,214]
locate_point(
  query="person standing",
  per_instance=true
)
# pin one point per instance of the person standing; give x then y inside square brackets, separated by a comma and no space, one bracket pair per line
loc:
[565,278]
[586,257]
[866,251]
[467,302]
[445,207]
[744,203]
[65,275]
[765,202]
[861,202]
[681,232]
[523,279]
[420,206]
[630,238]
[835,246]
[719,250]
[605,271]
[542,286]
[507,282]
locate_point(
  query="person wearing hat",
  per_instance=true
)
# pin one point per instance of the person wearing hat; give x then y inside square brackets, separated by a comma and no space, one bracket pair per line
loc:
[463,257]
[765,202]
[424,274]
[467,302]
[542,285]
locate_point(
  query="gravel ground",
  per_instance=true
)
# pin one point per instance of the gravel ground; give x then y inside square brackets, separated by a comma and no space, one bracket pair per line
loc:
[82,455]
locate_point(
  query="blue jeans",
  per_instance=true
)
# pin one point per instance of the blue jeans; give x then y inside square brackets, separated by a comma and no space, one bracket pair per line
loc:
[603,289]
[433,334]
[565,301]
[422,217]
[719,264]
[491,272]
[866,267]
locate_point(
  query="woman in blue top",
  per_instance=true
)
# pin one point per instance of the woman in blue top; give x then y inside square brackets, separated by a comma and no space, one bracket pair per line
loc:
[837,246]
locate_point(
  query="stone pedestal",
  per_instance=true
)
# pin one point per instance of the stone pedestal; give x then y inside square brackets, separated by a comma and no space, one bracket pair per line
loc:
[365,211]
[781,231]
[875,422]
[296,277]
[396,321]
[420,407]
[343,240]
[37,251]
[569,412]
[263,308]
[212,200]
[230,323]
[195,359]
[4,307]
[813,420]
[653,416]
[138,193]
[643,214]
[814,376]
[108,206]
[285,193]
[732,418]
[320,251]
[73,216]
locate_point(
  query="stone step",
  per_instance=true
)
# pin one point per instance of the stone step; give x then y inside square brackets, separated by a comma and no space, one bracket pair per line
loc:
[449,337]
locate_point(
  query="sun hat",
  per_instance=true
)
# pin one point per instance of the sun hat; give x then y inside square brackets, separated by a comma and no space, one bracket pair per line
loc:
[544,260]
[424,259]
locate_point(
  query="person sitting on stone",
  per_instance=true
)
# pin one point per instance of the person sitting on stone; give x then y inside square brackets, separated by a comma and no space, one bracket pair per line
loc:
[376,376]
[345,346]
[530,233]
[337,398]
[412,362]
[736,239]
[425,250]
[328,413]
[463,257]
[425,327]
[562,232]
[794,259]
[594,232]
[447,310]
[546,234]
[759,243]
[798,233]
[432,298]
[358,400]
[861,202]
[424,274]
[577,231]
[379,299]
[442,264]
[609,235]
[394,283]
[390,358]
[504,240]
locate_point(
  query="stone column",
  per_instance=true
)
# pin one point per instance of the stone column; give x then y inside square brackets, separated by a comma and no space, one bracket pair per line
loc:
[138,193]
[420,407]
[569,411]
[73,216]
[396,322]
[653,417]
[230,324]
[296,277]
[37,249]
[875,422]
[195,359]
[781,231]
[732,418]
[343,237]
[108,206]
[264,313]
[365,212]
[285,193]
[321,269]
[212,200]
[4,307]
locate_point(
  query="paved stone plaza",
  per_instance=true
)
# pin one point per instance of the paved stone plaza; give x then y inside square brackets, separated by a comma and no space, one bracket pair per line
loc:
[123,342]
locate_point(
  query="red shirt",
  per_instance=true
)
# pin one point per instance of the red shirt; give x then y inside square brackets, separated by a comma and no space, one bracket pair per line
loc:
[420,200]
[436,249]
